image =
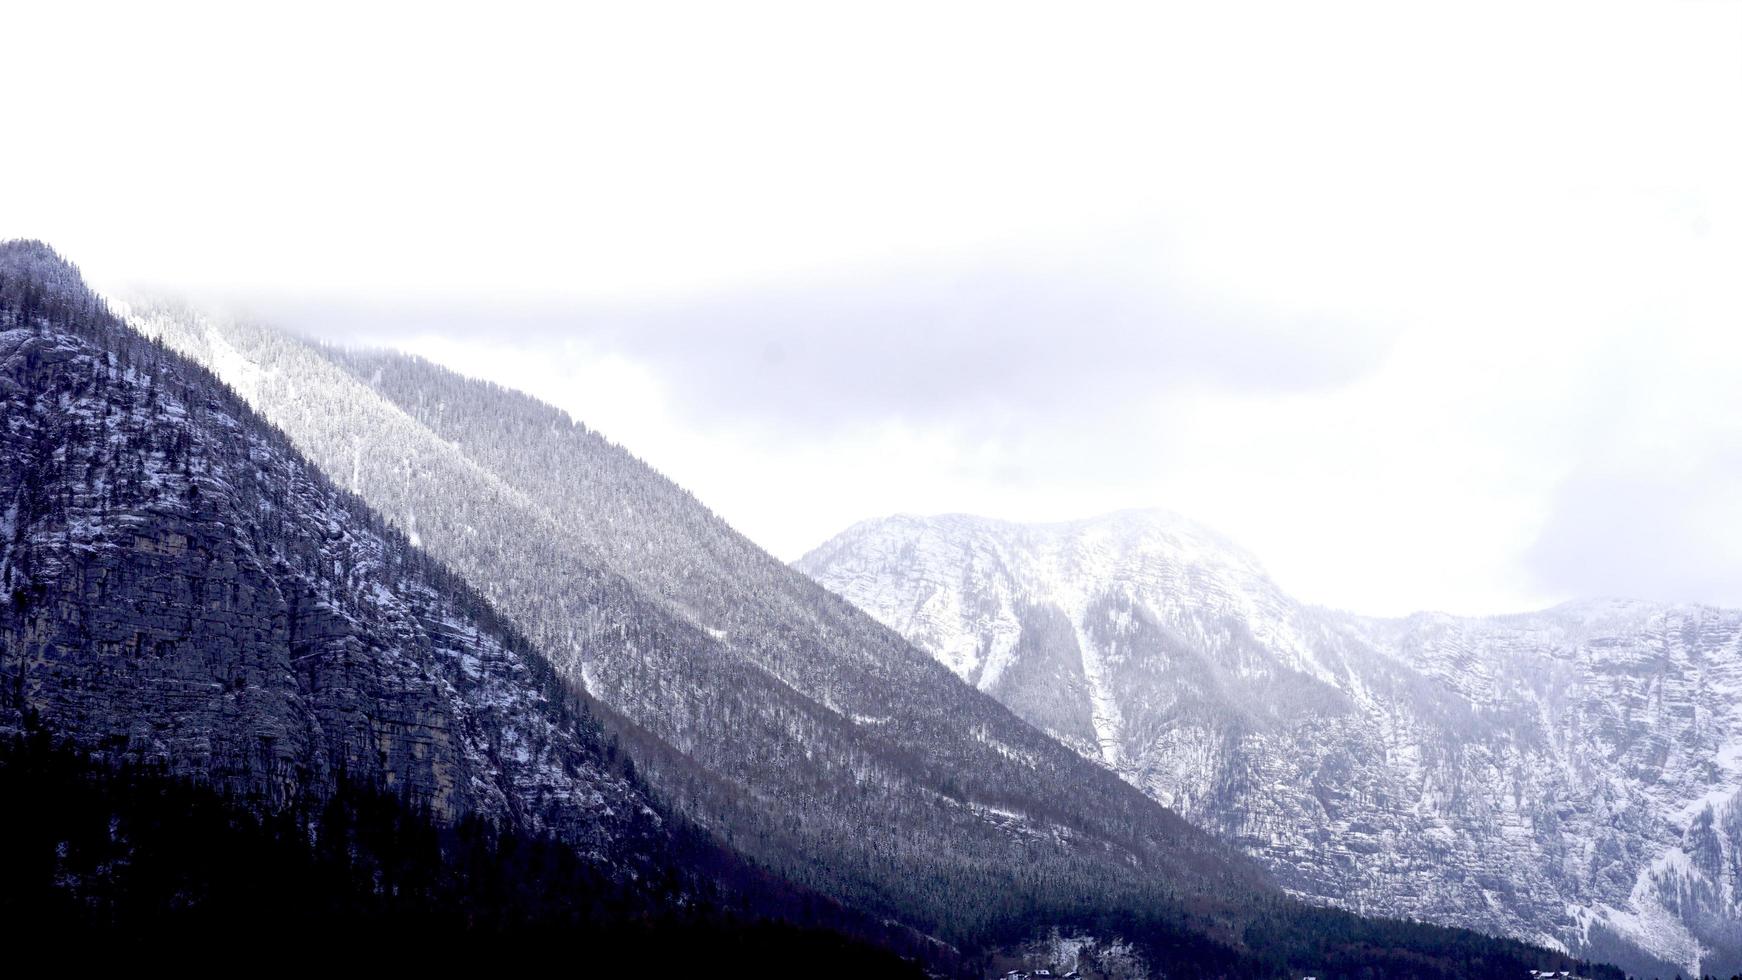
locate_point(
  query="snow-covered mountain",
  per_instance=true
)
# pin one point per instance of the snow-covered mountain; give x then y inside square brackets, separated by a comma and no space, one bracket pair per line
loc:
[191,611]
[817,742]
[1569,776]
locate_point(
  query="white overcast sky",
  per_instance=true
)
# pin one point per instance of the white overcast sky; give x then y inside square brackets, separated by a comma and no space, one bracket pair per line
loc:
[1429,305]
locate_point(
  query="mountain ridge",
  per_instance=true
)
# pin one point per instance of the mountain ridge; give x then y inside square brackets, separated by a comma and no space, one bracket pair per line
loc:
[803,732]
[193,611]
[843,705]
[142,477]
[1228,697]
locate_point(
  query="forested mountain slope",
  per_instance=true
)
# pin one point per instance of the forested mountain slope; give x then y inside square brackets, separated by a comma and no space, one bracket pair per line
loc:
[1568,776]
[185,589]
[134,861]
[816,740]
[808,735]
[188,603]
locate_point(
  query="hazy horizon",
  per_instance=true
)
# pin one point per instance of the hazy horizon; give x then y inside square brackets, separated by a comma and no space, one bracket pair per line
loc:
[1427,310]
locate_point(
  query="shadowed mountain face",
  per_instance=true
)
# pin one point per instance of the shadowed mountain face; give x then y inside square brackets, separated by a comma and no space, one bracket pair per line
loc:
[1569,776]
[799,729]
[193,615]
[184,590]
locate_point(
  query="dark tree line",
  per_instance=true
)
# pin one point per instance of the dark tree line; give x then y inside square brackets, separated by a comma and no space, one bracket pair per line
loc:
[145,862]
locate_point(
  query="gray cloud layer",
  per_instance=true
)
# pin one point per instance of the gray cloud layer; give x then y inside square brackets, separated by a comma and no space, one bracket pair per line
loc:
[1671,537]
[1055,376]
[981,345]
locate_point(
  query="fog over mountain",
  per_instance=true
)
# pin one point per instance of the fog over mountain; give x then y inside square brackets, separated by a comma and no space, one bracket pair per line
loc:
[1357,283]
[446,451]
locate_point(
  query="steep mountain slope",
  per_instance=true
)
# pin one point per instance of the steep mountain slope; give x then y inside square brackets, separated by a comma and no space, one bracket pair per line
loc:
[185,590]
[811,737]
[814,739]
[190,608]
[1569,777]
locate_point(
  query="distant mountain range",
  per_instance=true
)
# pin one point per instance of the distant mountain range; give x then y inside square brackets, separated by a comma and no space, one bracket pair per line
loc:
[342,601]
[1570,777]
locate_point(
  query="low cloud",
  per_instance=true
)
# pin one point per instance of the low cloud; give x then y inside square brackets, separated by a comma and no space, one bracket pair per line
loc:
[984,345]
[1671,536]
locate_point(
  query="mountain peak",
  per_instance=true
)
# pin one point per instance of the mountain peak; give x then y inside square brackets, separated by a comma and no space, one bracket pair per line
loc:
[1123,544]
[36,261]
[1353,755]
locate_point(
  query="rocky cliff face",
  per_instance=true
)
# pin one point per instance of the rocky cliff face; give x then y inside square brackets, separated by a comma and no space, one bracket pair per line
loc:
[1570,776]
[182,588]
